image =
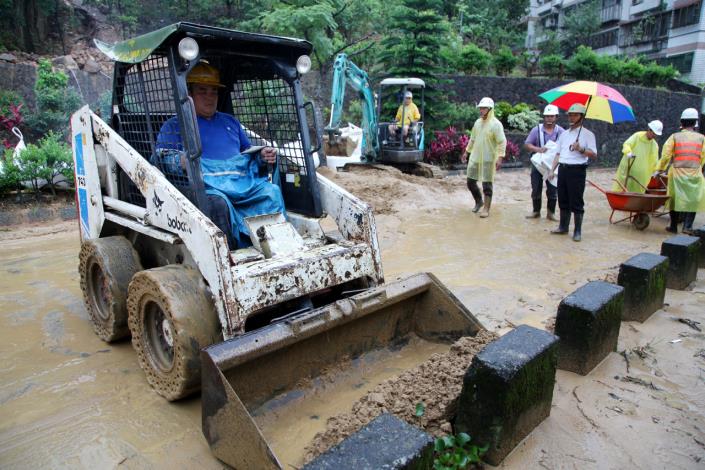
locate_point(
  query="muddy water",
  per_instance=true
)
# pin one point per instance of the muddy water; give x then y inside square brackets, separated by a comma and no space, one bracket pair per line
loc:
[290,428]
[68,400]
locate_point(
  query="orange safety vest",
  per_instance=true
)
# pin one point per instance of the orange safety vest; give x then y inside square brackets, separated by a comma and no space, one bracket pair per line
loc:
[688,149]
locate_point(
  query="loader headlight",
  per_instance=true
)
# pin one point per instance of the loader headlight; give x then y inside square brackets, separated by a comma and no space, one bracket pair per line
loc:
[188,49]
[303,64]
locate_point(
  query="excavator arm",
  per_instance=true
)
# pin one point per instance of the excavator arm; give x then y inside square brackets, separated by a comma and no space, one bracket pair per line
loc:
[345,72]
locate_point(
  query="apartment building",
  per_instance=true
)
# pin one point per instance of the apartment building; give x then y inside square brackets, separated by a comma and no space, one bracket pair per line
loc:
[668,31]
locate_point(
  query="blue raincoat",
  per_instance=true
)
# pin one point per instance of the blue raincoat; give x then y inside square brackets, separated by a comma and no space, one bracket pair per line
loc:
[229,174]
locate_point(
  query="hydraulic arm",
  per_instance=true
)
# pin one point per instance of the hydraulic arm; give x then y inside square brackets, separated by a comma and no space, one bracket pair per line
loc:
[345,72]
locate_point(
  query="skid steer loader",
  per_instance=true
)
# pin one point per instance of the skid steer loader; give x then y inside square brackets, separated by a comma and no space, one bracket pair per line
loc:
[299,322]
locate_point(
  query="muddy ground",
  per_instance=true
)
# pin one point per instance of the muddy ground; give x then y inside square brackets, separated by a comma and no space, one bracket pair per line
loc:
[68,400]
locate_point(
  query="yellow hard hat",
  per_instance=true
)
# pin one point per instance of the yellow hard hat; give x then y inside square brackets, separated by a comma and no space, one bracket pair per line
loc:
[204,74]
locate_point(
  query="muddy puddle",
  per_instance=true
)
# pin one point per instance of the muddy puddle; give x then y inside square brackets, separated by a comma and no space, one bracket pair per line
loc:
[68,400]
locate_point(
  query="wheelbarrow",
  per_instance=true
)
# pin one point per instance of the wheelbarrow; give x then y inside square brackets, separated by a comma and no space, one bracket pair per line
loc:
[637,205]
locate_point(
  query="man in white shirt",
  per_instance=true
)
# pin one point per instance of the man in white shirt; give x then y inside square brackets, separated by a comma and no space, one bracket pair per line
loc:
[575,147]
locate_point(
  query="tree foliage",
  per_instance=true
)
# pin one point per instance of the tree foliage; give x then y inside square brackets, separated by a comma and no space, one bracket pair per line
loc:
[580,23]
[413,44]
[55,101]
[475,60]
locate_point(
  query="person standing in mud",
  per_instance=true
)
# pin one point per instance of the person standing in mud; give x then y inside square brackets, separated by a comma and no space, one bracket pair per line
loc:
[487,147]
[684,155]
[549,131]
[575,147]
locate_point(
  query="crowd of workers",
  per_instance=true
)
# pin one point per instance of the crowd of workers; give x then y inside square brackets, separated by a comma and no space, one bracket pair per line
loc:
[568,153]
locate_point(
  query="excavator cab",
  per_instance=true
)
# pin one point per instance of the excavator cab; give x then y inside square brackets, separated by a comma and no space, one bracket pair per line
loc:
[394,147]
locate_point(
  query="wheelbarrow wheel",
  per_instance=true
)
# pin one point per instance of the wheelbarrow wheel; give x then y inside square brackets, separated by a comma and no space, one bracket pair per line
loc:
[641,221]
[171,317]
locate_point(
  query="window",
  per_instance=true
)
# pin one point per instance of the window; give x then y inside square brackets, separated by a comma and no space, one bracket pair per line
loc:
[604,39]
[687,16]
[682,62]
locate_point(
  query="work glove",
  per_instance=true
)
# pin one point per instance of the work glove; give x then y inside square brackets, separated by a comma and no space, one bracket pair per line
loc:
[631,155]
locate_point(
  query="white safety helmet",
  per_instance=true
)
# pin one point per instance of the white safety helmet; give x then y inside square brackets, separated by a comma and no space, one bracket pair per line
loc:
[486,103]
[550,110]
[656,127]
[408,94]
[689,113]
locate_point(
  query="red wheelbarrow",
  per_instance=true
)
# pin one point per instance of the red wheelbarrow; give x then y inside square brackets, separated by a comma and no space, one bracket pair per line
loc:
[638,205]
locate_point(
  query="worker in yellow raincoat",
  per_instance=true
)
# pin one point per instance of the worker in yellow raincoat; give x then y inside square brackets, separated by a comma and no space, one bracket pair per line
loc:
[684,151]
[487,147]
[640,155]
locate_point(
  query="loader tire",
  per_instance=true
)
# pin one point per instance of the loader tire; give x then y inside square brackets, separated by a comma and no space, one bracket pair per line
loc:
[171,318]
[106,266]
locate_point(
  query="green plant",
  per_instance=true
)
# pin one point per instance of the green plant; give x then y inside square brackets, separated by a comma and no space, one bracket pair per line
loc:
[524,121]
[456,452]
[9,173]
[656,75]
[609,69]
[583,64]
[474,60]
[47,161]
[459,115]
[504,61]
[632,71]
[552,65]
[502,110]
[55,101]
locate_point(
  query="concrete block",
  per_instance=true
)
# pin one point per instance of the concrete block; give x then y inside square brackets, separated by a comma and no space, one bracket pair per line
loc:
[700,233]
[588,323]
[683,252]
[386,442]
[644,280]
[507,390]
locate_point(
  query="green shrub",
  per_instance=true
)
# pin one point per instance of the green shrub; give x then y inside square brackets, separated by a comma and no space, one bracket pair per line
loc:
[502,110]
[552,65]
[583,64]
[524,121]
[458,115]
[609,69]
[474,60]
[656,75]
[9,173]
[504,61]
[456,452]
[55,101]
[632,71]
[47,161]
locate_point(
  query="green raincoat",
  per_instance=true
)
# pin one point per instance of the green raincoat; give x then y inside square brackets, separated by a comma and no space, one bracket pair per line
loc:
[686,184]
[487,143]
[643,163]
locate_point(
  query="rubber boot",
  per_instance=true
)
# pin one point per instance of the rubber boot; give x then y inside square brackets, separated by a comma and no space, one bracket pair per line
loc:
[536,212]
[551,210]
[563,224]
[486,208]
[476,195]
[688,219]
[673,225]
[578,222]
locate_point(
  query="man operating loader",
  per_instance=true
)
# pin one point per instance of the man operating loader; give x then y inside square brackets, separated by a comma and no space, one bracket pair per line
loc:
[239,178]
[640,154]
[487,147]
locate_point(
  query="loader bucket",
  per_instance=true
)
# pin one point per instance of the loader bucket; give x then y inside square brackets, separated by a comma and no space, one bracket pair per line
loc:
[265,394]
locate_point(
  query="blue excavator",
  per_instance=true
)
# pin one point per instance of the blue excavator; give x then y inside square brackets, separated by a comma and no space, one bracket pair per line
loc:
[380,144]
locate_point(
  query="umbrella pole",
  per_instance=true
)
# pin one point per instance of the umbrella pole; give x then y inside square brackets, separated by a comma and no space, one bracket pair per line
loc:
[587,105]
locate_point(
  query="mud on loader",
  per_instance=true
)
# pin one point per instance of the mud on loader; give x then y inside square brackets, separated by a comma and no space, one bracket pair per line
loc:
[255,328]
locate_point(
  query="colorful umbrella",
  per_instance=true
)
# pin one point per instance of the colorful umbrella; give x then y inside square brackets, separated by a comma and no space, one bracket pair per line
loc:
[603,103]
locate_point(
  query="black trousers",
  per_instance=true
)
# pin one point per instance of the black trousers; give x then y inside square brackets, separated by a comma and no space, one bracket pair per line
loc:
[571,186]
[537,187]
